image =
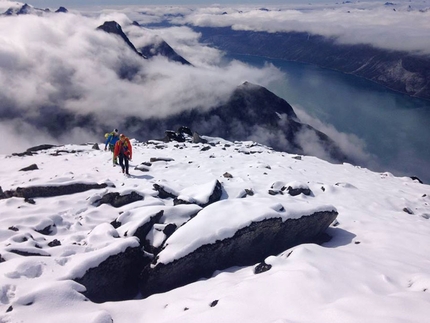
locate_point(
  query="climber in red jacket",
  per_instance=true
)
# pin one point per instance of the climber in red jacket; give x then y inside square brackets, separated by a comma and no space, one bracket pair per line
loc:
[124,151]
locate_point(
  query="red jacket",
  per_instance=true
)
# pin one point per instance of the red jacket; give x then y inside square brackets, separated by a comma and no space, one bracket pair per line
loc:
[123,148]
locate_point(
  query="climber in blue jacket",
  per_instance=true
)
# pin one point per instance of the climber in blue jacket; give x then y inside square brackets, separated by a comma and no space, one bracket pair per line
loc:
[111,139]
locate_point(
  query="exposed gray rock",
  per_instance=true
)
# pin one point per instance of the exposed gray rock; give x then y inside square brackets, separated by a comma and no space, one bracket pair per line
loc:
[54,243]
[197,139]
[247,247]
[213,197]
[156,159]
[227,175]
[144,229]
[30,252]
[294,191]
[50,191]
[408,210]
[163,193]
[117,200]
[33,150]
[116,278]
[28,168]
[96,146]
[261,268]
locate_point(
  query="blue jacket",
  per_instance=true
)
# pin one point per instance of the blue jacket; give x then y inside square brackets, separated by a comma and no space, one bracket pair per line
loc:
[111,139]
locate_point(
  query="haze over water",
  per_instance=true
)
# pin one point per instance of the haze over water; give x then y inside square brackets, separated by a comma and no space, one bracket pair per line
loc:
[394,127]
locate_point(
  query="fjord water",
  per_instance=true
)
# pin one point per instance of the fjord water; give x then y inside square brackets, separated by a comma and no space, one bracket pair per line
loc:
[394,127]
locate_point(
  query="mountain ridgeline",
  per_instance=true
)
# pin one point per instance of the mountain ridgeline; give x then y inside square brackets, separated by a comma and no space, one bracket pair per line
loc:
[251,113]
[401,71]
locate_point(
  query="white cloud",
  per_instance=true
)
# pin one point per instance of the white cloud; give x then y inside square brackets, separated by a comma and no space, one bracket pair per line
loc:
[404,28]
[62,61]
[350,144]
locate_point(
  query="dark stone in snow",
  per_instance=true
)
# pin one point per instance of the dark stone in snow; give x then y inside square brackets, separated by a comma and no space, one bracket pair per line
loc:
[169,229]
[144,229]
[96,147]
[1,259]
[162,193]
[30,201]
[298,190]
[32,150]
[47,230]
[185,131]
[214,303]
[408,210]
[214,197]
[173,136]
[116,278]
[27,253]
[50,191]
[197,139]
[28,168]
[117,200]
[417,179]
[261,268]
[54,243]
[248,246]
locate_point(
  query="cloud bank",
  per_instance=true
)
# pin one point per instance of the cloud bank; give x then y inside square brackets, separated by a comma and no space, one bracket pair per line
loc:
[60,62]
[400,25]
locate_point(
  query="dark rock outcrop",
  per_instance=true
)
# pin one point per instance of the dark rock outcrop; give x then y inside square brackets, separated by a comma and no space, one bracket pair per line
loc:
[62,9]
[116,278]
[261,268]
[214,196]
[31,151]
[144,229]
[249,110]
[50,191]
[28,168]
[247,247]
[117,200]
[112,27]
[160,47]
[162,192]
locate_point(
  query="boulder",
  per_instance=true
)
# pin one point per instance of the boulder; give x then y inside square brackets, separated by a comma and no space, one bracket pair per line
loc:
[116,278]
[248,246]
[28,168]
[117,200]
[50,191]
[191,198]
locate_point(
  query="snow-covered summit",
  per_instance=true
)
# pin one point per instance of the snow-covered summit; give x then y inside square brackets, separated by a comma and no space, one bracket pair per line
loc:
[376,260]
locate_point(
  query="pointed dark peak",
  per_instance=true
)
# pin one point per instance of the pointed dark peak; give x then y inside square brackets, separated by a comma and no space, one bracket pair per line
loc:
[62,9]
[112,27]
[259,98]
[160,47]
[9,12]
[135,23]
[25,9]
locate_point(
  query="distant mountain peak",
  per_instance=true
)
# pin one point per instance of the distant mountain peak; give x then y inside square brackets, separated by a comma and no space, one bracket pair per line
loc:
[112,27]
[27,9]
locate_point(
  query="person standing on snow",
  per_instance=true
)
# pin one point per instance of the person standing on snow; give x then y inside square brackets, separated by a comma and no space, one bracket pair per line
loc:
[111,140]
[124,151]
